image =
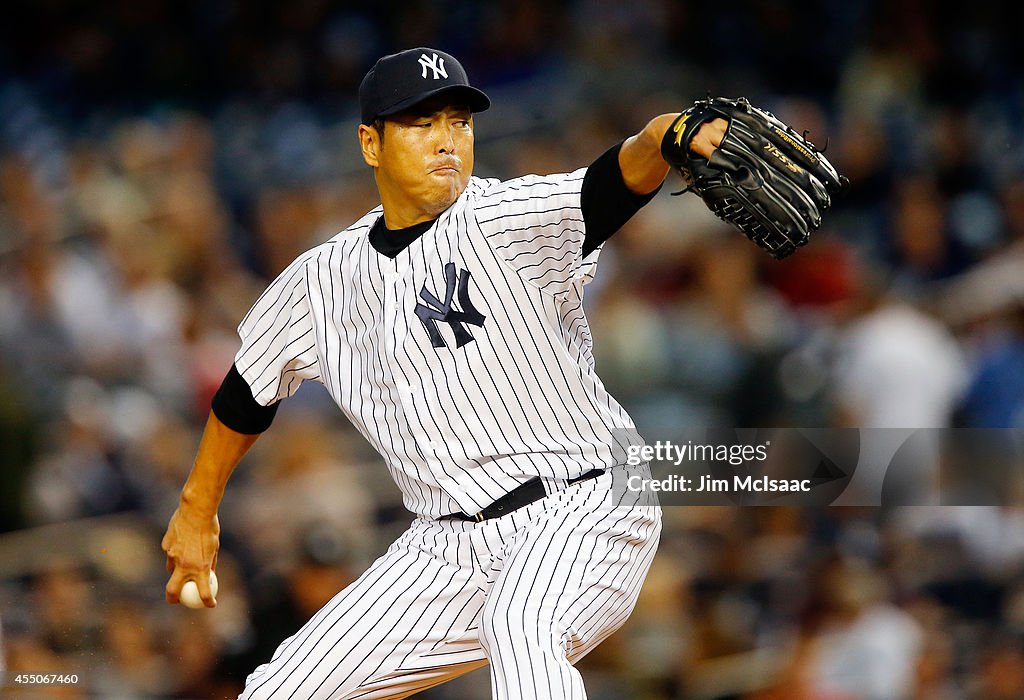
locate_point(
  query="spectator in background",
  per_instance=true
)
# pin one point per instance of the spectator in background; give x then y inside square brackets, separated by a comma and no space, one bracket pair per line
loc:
[995,397]
[923,249]
[897,366]
[986,304]
[853,644]
[863,646]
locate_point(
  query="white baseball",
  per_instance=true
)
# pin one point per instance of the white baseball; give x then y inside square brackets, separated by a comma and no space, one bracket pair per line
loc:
[189,596]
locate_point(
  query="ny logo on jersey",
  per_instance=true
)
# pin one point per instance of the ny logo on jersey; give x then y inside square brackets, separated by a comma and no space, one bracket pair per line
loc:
[434,63]
[434,310]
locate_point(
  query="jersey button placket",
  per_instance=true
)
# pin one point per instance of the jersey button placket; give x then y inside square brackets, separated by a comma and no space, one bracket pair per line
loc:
[391,279]
[395,293]
[406,395]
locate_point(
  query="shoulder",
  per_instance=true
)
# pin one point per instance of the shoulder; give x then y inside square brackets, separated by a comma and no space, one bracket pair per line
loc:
[527,186]
[479,186]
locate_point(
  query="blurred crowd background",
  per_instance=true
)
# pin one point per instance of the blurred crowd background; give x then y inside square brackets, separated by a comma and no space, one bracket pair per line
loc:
[161,161]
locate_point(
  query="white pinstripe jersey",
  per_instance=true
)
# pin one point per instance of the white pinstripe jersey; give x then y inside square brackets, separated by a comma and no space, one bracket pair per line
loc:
[464,409]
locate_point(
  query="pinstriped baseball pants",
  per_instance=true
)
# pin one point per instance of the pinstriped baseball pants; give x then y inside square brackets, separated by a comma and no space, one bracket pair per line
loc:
[530,593]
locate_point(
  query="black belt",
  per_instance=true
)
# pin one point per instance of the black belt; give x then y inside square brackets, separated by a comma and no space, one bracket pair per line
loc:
[522,495]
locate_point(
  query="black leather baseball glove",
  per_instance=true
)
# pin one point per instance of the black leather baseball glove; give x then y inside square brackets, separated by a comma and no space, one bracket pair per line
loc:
[764,178]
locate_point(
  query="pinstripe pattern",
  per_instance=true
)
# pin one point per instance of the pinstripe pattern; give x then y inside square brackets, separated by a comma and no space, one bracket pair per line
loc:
[459,426]
[531,592]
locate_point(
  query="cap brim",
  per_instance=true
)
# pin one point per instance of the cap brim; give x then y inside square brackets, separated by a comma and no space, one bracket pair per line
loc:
[467,95]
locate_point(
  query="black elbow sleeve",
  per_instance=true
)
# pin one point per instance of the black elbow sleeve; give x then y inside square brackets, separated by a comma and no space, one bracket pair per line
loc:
[606,202]
[235,407]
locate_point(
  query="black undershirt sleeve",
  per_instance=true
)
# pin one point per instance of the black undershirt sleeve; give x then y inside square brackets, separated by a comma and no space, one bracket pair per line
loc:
[235,407]
[606,202]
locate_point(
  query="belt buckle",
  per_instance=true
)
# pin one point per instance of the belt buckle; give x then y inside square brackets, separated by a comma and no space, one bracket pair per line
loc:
[479,517]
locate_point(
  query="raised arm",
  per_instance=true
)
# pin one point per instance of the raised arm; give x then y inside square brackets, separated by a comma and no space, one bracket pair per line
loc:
[193,533]
[643,168]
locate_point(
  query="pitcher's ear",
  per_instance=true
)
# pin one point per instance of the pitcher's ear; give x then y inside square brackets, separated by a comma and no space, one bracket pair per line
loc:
[370,143]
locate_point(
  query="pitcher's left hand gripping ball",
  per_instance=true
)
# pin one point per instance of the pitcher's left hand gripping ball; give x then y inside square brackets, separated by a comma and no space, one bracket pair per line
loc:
[764,178]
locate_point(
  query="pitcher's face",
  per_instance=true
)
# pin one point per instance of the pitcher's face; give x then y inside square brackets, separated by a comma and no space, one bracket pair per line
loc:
[424,160]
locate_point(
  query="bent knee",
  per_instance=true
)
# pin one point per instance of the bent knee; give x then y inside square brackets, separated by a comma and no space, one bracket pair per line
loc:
[519,629]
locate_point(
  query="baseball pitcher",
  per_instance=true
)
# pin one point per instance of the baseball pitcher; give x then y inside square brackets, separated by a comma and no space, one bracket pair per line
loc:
[447,324]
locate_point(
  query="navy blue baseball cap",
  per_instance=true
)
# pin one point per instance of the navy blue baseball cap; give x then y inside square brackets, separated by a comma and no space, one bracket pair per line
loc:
[403,80]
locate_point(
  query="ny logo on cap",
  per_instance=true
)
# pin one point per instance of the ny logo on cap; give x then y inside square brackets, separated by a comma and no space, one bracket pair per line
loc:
[434,63]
